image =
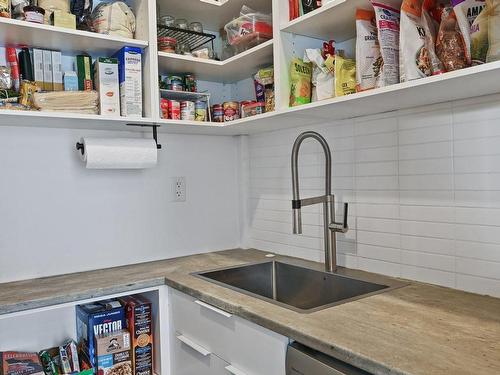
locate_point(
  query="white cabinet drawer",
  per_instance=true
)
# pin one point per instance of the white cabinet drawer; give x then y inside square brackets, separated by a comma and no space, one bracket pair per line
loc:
[189,358]
[249,348]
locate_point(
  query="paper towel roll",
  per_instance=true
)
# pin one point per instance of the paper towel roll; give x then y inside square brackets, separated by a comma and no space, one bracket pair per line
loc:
[119,153]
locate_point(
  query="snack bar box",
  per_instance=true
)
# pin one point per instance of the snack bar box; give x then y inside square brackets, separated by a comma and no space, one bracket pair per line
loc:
[140,325]
[94,319]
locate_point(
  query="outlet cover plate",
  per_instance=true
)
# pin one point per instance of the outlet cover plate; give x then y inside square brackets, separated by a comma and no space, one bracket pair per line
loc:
[178,189]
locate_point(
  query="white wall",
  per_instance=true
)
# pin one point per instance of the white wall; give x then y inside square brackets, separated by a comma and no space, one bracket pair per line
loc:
[58,217]
[424,188]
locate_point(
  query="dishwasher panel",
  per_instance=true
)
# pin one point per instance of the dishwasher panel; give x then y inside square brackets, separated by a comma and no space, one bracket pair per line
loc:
[301,360]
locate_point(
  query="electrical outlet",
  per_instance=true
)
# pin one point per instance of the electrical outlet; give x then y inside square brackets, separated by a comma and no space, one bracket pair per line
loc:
[178,189]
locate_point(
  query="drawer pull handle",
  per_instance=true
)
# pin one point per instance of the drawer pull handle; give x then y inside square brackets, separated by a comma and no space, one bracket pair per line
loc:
[233,370]
[213,308]
[200,349]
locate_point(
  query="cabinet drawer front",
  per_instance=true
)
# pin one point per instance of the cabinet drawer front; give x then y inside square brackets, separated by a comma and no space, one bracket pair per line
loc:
[186,359]
[251,349]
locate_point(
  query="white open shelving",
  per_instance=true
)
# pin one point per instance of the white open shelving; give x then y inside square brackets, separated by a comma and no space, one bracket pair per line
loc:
[236,68]
[336,19]
[21,33]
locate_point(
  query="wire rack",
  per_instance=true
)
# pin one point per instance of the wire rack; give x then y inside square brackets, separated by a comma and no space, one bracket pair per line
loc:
[192,39]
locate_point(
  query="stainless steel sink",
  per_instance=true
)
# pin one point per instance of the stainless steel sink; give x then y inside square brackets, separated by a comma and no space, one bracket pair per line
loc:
[298,288]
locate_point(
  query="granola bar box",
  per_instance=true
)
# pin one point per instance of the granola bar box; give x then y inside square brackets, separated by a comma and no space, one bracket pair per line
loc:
[139,323]
[113,353]
[95,319]
[20,363]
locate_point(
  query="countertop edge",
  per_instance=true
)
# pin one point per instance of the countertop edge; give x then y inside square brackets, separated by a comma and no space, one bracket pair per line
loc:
[14,308]
[338,352]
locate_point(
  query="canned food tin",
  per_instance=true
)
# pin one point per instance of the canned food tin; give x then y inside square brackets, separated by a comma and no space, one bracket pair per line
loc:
[174,110]
[175,87]
[200,110]
[187,110]
[217,113]
[231,111]
[190,82]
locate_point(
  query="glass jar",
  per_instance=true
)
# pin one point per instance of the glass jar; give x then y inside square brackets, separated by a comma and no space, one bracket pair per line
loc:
[196,26]
[183,49]
[166,44]
[167,20]
[181,23]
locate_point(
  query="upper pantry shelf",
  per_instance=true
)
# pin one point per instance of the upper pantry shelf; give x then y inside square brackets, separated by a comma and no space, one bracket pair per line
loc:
[334,20]
[18,33]
[236,68]
[212,14]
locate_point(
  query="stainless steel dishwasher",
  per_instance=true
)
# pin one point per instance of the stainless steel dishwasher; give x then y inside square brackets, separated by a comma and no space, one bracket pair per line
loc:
[301,360]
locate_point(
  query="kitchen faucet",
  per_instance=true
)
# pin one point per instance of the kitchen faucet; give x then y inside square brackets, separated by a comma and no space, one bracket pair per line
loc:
[330,226]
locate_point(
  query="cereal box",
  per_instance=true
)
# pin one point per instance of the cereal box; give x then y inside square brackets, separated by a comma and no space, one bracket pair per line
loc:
[95,319]
[113,353]
[139,323]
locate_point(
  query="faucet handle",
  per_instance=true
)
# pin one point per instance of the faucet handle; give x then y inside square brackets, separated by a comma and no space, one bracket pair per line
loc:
[341,227]
[346,210]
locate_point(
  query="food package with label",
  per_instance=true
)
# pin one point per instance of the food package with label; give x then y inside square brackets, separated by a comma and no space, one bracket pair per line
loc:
[130,78]
[113,18]
[113,353]
[107,84]
[138,311]
[368,58]
[493,8]
[466,12]
[387,16]
[322,78]
[53,5]
[264,87]
[17,363]
[95,319]
[345,75]
[300,82]
[249,30]
[450,44]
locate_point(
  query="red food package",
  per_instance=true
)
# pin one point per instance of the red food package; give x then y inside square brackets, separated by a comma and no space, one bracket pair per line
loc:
[20,363]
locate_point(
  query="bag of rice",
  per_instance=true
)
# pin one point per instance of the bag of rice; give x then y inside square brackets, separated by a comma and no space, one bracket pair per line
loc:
[387,16]
[345,76]
[414,59]
[300,82]
[368,59]
[493,30]
[450,44]
[466,12]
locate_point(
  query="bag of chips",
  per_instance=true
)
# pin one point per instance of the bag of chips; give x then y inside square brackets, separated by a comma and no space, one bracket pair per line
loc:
[300,82]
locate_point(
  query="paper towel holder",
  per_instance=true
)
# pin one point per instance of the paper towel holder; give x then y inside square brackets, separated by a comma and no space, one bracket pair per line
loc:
[80,147]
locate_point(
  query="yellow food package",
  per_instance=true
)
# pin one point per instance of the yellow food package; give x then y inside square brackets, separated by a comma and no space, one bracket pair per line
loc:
[345,76]
[300,82]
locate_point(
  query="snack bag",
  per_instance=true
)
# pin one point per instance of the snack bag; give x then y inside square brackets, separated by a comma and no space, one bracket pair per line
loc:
[466,12]
[387,15]
[322,77]
[300,82]
[345,76]
[431,18]
[479,38]
[368,58]
[414,58]
[450,44]
[493,30]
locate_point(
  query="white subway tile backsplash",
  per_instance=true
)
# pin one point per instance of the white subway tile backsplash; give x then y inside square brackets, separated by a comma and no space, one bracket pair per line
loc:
[424,189]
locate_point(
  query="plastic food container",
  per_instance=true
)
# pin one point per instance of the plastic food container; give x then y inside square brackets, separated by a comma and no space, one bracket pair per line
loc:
[250,29]
[167,44]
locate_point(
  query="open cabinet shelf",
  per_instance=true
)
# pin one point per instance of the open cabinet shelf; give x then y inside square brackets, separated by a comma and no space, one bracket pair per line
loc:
[335,19]
[21,33]
[236,68]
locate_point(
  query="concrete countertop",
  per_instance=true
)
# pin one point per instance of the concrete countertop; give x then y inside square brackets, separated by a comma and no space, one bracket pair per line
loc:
[416,329]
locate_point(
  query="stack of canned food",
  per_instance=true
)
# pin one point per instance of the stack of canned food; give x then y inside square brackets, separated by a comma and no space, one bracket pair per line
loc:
[184,109]
[186,82]
[229,111]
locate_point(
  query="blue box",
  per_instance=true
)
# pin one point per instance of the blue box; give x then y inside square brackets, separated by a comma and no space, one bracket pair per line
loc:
[130,78]
[97,318]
